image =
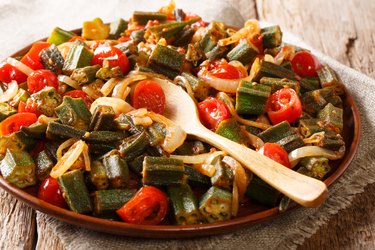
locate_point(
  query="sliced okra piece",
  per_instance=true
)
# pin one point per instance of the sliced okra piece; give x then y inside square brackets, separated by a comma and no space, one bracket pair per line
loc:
[117,170]
[214,32]
[98,175]
[162,171]
[169,29]
[18,168]
[104,136]
[74,112]
[36,130]
[215,204]
[167,57]
[142,17]
[272,36]
[244,52]
[57,130]
[308,127]
[199,87]
[136,165]
[103,119]
[73,187]
[332,118]
[261,192]
[85,75]
[155,133]
[6,110]
[59,36]
[223,176]
[116,28]
[110,200]
[291,142]
[327,76]
[217,52]
[16,141]
[183,38]
[52,59]
[263,68]
[280,83]
[316,167]
[44,163]
[251,98]
[79,56]
[232,130]
[134,146]
[184,205]
[195,178]
[47,100]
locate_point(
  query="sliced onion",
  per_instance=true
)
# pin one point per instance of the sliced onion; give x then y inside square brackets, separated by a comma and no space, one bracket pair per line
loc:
[269,58]
[180,80]
[141,112]
[64,145]
[10,92]
[241,178]
[314,138]
[198,159]
[143,121]
[308,151]
[174,137]
[69,81]
[20,66]
[255,141]
[121,90]
[250,29]
[86,157]
[118,105]
[45,119]
[235,199]
[69,158]
[206,169]
[226,99]
[109,85]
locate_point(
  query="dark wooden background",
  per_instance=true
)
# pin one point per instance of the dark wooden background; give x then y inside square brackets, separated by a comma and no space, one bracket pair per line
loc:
[345,30]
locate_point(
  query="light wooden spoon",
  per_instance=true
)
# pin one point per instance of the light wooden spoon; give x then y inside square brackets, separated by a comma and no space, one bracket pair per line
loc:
[304,190]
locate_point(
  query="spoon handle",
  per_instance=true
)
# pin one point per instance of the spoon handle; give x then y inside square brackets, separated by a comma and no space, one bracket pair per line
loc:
[302,189]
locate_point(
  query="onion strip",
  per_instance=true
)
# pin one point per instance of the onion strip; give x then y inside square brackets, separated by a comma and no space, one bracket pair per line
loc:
[86,157]
[69,81]
[119,106]
[63,146]
[108,86]
[226,99]
[20,66]
[241,178]
[308,151]
[121,90]
[69,158]
[10,92]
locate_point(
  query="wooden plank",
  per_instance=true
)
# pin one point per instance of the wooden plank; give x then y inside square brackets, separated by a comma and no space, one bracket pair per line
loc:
[17,228]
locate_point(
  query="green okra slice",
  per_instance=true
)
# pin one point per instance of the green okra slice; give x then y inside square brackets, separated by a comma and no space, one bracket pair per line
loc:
[183,37]
[199,87]
[195,178]
[316,167]
[264,68]
[47,100]
[142,17]
[116,28]
[232,130]
[59,36]
[223,176]
[110,200]
[57,130]
[98,175]
[214,32]
[103,119]
[85,75]
[169,29]
[244,52]
[36,130]
[117,170]
[162,171]
[272,36]
[308,127]
[167,57]
[134,146]
[6,110]
[155,133]
[44,164]
[261,192]
[332,117]
[18,168]
[327,76]
[73,187]
[251,98]
[22,95]
[16,141]
[79,56]
[280,83]
[184,205]
[215,204]
[74,112]
[52,59]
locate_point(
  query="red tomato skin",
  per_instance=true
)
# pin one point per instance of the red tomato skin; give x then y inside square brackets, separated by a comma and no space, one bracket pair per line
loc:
[40,79]
[275,152]
[49,191]
[32,58]
[148,206]
[284,105]
[305,64]
[222,69]
[113,55]
[14,122]
[80,94]
[148,94]
[212,111]
[9,73]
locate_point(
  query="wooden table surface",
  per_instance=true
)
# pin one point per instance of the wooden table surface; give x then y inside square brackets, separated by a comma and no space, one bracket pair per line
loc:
[345,30]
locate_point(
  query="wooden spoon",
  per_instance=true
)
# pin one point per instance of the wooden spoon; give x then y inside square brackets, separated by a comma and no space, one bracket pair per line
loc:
[304,190]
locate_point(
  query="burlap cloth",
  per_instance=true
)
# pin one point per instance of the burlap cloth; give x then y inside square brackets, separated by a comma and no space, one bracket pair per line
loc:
[25,21]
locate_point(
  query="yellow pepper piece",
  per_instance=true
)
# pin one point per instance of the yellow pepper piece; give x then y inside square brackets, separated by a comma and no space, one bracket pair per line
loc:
[95,29]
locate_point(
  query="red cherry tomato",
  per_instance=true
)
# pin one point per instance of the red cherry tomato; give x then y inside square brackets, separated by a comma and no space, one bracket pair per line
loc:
[221,69]
[49,191]
[212,111]
[257,41]
[32,58]
[305,64]
[40,79]
[149,206]
[9,73]
[148,94]
[80,94]
[284,105]
[275,152]
[14,122]
[113,55]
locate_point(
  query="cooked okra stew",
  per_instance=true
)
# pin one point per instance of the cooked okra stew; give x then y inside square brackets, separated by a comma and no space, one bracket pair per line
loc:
[82,117]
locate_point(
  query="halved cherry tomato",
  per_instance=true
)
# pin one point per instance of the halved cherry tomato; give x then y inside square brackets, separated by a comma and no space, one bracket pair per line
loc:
[80,94]
[305,64]
[32,58]
[50,192]
[148,94]
[148,207]
[222,69]
[257,41]
[9,73]
[275,152]
[14,122]
[284,105]
[30,106]
[40,79]
[212,111]
[123,39]
[113,55]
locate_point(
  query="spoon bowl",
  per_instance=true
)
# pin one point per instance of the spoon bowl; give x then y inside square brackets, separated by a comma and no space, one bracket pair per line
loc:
[181,109]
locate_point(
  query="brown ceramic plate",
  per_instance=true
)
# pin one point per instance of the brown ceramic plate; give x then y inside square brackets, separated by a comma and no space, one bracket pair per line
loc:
[249,213]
